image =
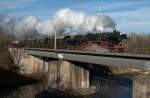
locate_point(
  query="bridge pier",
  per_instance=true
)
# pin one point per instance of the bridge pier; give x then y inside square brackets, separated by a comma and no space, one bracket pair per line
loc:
[65,75]
[28,63]
[141,87]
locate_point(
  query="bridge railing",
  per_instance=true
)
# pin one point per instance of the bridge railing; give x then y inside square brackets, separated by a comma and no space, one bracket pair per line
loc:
[44,44]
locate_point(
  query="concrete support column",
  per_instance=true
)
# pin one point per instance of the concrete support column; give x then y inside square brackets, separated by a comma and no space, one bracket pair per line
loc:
[32,64]
[141,87]
[45,66]
[84,78]
[63,74]
[52,74]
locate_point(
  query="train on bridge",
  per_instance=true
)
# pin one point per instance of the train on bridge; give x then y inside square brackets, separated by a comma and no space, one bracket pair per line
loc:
[107,41]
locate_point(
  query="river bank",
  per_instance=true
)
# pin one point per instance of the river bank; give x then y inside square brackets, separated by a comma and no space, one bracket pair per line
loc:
[10,79]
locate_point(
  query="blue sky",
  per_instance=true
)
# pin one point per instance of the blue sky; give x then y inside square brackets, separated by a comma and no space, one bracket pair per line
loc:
[130,15]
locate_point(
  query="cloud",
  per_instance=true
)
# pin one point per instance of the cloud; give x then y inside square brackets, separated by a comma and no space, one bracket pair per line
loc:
[109,6]
[14,4]
[121,6]
[132,19]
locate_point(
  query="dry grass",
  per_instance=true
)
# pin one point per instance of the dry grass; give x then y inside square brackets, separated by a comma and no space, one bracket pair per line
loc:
[138,43]
[5,59]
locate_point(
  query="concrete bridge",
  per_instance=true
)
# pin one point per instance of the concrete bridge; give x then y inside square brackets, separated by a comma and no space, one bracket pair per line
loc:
[137,61]
[70,69]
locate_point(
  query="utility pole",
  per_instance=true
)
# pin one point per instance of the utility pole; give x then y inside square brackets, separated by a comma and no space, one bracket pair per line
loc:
[55,41]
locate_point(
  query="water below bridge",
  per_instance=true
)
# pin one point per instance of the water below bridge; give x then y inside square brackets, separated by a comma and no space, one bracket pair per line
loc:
[108,88]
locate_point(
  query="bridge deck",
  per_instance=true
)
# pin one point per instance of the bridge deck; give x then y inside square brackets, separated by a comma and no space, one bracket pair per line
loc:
[138,61]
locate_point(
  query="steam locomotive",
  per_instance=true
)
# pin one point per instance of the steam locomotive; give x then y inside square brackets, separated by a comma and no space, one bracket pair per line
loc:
[107,41]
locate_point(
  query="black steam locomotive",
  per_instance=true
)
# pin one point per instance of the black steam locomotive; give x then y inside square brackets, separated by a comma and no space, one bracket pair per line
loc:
[106,41]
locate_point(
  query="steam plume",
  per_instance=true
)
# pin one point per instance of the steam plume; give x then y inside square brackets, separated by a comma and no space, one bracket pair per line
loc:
[81,22]
[45,28]
[7,22]
[30,27]
[26,28]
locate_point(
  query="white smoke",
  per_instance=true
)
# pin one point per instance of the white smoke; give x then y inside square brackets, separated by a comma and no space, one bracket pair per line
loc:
[81,22]
[45,28]
[68,18]
[64,18]
[26,27]
[77,21]
[7,22]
